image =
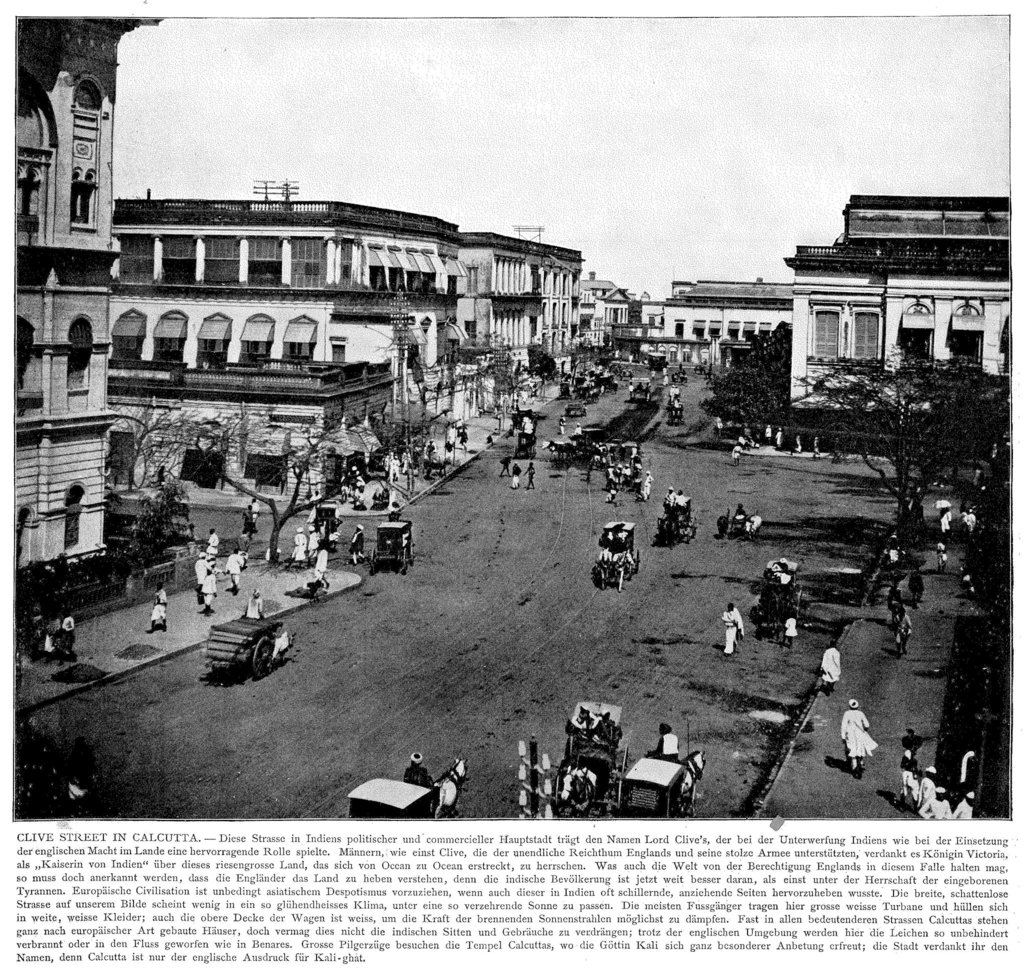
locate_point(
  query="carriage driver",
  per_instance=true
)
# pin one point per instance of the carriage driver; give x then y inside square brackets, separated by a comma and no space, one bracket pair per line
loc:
[416,773]
[668,745]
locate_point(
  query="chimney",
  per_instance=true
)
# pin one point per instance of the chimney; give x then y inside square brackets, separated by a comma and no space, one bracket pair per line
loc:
[759,281]
[593,274]
[149,194]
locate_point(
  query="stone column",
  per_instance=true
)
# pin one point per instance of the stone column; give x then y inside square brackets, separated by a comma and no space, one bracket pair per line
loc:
[286,261]
[200,258]
[158,258]
[243,260]
[332,257]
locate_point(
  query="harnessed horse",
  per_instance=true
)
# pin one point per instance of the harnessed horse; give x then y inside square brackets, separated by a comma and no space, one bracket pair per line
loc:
[448,787]
[577,791]
[562,451]
[694,765]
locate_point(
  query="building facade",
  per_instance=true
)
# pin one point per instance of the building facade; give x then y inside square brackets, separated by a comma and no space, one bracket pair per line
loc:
[926,275]
[709,322]
[520,293]
[604,307]
[67,72]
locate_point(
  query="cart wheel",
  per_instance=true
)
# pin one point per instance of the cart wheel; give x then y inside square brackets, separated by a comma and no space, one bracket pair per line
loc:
[262,658]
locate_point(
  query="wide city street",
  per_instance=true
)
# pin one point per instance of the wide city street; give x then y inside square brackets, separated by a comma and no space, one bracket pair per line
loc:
[494,635]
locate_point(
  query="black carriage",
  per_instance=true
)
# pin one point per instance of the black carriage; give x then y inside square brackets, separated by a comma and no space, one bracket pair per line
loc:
[524,420]
[677,524]
[779,598]
[641,393]
[564,390]
[394,548]
[619,559]
[526,446]
[243,645]
[328,524]
[657,361]
[575,408]
[589,778]
[675,414]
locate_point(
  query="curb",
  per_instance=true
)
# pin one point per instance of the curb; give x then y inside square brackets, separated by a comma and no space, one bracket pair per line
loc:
[758,802]
[135,669]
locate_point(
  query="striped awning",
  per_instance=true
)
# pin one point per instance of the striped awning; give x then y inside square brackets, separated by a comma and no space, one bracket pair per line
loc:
[453,330]
[381,259]
[422,264]
[918,321]
[304,333]
[130,326]
[968,323]
[218,329]
[455,267]
[171,328]
[258,330]
[402,259]
[435,263]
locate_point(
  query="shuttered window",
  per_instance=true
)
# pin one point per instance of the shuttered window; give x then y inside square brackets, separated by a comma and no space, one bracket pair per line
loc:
[826,334]
[221,263]
[865,335]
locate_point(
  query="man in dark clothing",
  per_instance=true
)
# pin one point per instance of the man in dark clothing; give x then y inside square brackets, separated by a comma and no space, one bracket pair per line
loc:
[416,773]
[505,464]
[531,472]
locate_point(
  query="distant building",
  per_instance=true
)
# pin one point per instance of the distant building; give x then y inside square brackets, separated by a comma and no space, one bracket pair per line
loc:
[67,73]
[604,306]
[711,322]
[519,292]
[928,275]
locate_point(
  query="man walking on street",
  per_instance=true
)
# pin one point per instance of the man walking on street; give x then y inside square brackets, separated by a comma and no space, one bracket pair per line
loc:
[516,471]
[233,570]
[531,472]
[903,631]
[831,670]
[505,463]
[859,744]
[733,628]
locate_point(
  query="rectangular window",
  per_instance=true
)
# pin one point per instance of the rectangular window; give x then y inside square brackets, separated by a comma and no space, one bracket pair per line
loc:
[865,335]
[264,262]
[378,278]
[136,259]
[346,276]
[533,326]
[680,327]
[698,331]
[472,280]
[337,352]
[309,266]
[826,334]
[470,327]
[221,261]
[179,260]
[420,283]
[126,347]
[213,354]
[395,279]
[253,353]
[298,351]
[168,350]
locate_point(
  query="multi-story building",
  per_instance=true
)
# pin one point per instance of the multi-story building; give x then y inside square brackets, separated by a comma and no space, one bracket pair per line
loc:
[521,293]
[928,275]
[296,312]
[67,72]
[712,322]
[604,306]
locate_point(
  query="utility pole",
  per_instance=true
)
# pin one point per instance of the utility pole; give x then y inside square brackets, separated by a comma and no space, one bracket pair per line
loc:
[500,357]
[285,189]
[400,326]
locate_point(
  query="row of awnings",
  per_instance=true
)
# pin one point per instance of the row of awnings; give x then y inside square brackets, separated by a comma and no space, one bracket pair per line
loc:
[971,323]
[417,261]
[217,330]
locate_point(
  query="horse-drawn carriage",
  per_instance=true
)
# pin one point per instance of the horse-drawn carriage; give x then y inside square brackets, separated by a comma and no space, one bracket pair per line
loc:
[606,383]
[619,559]
[779,598]
[641,393]
[661,788]
[565,389]
[526,446]
[675,414]
[677,524]
[739,525]
[575,407]
[244,646]
[394,799]
[394,548]
[588,781]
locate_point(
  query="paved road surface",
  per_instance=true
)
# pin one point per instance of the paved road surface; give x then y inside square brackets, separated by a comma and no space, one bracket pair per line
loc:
[493,635]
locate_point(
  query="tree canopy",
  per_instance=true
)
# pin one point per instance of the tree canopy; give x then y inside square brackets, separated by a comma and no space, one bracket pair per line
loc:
[755,390]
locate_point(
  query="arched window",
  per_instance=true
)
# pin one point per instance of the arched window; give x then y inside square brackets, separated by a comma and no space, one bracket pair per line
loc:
[80,339]
[87,97]
[33,128]
[26,339]
[72,515]
[28,190]
[83,191]
[968,310]
[918,308]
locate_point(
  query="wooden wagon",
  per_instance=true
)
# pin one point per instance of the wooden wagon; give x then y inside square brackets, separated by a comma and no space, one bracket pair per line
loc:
[243,644]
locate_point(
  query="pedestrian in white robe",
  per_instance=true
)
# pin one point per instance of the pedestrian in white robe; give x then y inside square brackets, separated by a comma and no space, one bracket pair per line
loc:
[937,807]
[831,670]
[733,628]
[965,807]
[926,790]
[299,546]
[854,732]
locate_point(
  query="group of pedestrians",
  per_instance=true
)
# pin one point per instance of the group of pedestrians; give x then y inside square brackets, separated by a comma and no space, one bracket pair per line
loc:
[511,469]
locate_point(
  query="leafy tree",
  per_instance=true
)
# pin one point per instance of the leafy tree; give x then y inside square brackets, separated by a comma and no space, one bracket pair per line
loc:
[157,441]
[911,420]
[541,364]
[754,390]
[162,517]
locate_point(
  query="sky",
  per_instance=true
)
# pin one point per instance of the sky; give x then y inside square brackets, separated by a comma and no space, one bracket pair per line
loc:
[663,149]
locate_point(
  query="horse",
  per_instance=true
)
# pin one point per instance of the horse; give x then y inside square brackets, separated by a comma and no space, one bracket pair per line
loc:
[723,523]
[694,771]
[563,451]
[576,791]
[752,528]
[448,788]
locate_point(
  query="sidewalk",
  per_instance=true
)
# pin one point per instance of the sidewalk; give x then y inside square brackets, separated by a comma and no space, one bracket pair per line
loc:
[895,694]
[116,645]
